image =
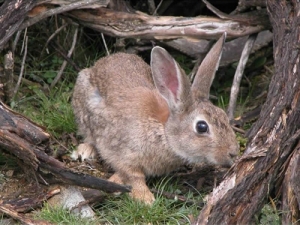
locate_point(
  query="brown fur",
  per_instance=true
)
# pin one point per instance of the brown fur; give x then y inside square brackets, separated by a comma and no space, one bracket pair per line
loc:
[144,125]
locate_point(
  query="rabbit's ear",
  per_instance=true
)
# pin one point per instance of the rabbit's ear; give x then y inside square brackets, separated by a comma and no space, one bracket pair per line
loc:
[169,78]
[207,70]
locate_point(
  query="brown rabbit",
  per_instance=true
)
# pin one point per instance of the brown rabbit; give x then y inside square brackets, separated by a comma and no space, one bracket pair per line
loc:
[145,123]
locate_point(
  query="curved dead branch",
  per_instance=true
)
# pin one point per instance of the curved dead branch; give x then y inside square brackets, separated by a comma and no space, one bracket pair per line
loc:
[139,25]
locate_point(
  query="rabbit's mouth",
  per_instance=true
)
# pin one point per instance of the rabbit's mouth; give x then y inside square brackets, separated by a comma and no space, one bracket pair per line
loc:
[228,161]
[218,160]
[228,164]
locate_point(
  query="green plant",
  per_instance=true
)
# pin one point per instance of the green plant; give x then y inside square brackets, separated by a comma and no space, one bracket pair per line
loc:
[52,111]
[223,102]
[268,216]
[242,142]
[185,62]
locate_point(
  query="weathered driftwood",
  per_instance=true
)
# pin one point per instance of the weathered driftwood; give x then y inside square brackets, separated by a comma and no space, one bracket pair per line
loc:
[94,5]
[27,141]
[139,25]
[272,154]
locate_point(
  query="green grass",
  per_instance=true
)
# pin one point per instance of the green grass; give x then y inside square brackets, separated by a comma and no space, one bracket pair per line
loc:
[53,111]
[124,210]
[222,102]
[58,215]
[127,211]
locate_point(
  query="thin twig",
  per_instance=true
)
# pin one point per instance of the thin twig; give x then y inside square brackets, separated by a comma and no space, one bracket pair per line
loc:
[239,130]
[22,68]
[95,199]
[216,11]
[16,41]
[59,143]
[53,35]
[104,42]
[238,75]
[8,64]
[62,68]
[180,198]
[23,44]
[268,69]
[158,7]
[59,50]
[151,6]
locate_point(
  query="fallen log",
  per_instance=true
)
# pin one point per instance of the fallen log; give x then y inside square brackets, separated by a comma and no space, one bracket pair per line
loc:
[27,142]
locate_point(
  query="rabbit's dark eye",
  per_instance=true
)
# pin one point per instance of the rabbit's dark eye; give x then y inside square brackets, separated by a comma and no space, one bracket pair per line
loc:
[201,127]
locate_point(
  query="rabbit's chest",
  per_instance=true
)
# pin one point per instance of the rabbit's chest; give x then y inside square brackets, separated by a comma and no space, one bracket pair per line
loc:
[160,164]
[157,157]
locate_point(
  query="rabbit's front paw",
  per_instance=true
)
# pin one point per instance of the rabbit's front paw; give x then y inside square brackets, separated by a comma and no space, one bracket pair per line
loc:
[142,194]
[116,178]
[139,191]
[84,151]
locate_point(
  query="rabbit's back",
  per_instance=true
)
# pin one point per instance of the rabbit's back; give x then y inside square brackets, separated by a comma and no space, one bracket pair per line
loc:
[120,72]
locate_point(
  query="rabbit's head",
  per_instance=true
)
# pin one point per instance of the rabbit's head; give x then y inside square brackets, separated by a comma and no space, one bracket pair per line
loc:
[196,130]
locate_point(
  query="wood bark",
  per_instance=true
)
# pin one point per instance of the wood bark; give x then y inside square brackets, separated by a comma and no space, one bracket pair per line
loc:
[13,14]
[272,153]
[6,78]
[291,191]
